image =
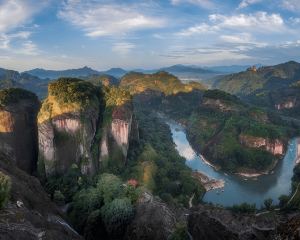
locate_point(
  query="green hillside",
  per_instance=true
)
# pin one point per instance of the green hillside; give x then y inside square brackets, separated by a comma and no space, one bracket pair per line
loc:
[161,81]
[258,80]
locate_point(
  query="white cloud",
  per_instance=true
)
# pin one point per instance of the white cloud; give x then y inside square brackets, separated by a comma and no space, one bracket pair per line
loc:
[28,48]
[255,22]
[246,3]
[198,29]
[241,42]
[14,13]
[123,48]
[294,21]
[4,41]
[259,21]
[202,3]
[291,5]
[100,19]
[241,38]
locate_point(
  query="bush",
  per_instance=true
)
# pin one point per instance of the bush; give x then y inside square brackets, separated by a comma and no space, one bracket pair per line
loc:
[180,233]
[117,215]
[110,187]
[5,186]
[244,208]
[283,200]
[58,197]
[84,203]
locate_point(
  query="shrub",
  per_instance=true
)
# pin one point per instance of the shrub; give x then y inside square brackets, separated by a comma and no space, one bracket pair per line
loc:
[58,197]
[180,233]
[5,186]
[110,187]
[117,215]
[244,208]
[283,200]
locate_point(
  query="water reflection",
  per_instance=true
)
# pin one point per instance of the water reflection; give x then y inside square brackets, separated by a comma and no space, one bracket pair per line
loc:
[239,189]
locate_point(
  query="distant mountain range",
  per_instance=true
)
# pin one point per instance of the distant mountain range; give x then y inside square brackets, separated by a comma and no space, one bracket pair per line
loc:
[80,72]
[183,72]
[244,83]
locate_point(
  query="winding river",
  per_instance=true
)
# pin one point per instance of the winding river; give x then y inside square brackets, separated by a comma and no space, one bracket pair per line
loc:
[239,189]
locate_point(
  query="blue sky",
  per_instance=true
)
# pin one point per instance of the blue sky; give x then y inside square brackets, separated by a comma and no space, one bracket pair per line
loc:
[56,34]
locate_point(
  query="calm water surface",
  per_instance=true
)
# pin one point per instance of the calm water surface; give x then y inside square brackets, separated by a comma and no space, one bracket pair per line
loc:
[238,189]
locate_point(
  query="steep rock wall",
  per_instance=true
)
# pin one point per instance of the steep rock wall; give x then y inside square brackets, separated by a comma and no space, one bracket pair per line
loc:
[18,131]
[276,146]
[67,125]
[286,104]
[117,135]
[67,140]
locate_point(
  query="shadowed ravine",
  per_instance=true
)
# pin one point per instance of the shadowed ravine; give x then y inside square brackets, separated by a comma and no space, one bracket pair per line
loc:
[239,189]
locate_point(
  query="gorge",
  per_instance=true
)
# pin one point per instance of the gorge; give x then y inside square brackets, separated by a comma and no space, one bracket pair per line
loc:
[239,189]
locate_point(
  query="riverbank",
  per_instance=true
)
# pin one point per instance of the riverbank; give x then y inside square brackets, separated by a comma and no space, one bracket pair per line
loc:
[236,189]
[252,174]
[208,183]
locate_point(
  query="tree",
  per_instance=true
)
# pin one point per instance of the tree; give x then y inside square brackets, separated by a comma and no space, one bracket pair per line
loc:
[117,215]
[283,200]
[110,187]
[268,203]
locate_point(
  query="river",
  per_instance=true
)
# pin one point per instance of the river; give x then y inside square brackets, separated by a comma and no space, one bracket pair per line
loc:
[239,189]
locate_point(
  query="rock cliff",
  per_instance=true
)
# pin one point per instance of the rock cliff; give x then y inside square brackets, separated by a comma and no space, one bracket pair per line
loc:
[206,222]
[276,146]
[67,125]
[118,133]
[286,104]
[153,220]
[18,127]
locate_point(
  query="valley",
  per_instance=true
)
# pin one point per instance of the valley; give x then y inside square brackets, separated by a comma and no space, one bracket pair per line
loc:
[109,151]
[239,189]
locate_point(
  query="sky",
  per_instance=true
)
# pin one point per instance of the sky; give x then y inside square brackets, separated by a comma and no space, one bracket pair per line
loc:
[60,34]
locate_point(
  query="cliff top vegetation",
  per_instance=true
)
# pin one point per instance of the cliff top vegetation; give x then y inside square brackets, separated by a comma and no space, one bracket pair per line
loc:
[14,95]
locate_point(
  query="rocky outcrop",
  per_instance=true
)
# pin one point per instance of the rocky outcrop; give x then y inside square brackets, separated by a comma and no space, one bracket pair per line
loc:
[67,128]
[118,133]
[218,104]
[206,222]
[18,128]
[286,104]
[29,213]
[153,220]
[276,146]
[290,229]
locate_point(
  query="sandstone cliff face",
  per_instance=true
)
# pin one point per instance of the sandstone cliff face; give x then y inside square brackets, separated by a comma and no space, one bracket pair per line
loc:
[67,128]
[276,147]
[117,135]
[66,140]
[286,104]
[18,128]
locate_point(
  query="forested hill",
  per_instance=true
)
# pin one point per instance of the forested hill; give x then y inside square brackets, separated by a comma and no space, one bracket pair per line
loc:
[261,79]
